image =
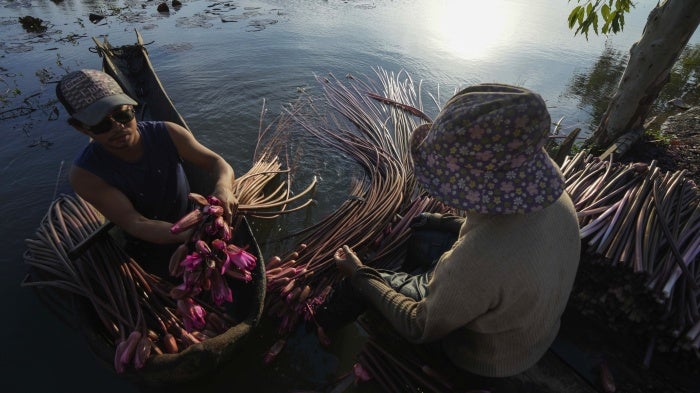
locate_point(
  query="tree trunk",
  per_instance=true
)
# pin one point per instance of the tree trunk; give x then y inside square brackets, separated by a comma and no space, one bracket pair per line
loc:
[669,27]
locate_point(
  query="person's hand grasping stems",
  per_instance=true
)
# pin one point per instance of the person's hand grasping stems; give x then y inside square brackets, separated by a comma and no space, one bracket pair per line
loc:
[228,201]
[347,261]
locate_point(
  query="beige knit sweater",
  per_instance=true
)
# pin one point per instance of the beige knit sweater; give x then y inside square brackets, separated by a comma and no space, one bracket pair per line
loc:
[496,298]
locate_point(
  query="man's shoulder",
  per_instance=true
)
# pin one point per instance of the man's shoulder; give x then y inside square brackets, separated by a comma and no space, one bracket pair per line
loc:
[150,125]
[155,130]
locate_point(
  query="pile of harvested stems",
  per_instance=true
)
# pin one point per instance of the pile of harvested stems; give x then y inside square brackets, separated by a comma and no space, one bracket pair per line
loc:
[374,219]
[137,315]
[396,365]
[646,223]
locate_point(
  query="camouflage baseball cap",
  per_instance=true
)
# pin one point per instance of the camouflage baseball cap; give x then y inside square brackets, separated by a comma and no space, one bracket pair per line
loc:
[484,152]
[89,95]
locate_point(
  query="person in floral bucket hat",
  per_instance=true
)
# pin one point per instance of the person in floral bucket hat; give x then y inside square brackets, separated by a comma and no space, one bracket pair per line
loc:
[493,301]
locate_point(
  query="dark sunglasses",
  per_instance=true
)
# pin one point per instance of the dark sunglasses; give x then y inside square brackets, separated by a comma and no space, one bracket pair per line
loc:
[122,116]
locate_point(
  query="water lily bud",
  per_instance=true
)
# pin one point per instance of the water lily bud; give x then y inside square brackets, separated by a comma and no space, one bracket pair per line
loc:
[225,231]
[213,210]
[198,199]
[214,200]
[170,344]
[118,365]
[131,343]
[187,221]
[143,352]
[274,351]
[202,247]
[218,244]
[360,373]
[178,255]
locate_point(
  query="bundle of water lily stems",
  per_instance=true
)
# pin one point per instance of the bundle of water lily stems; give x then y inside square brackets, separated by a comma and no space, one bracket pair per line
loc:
[374,219]
[397,365]
[644,223]
[134,311]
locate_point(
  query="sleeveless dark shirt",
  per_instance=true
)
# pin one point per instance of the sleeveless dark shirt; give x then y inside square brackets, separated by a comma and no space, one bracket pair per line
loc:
[156,184]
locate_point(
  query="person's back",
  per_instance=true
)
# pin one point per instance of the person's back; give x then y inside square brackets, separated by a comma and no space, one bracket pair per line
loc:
[509,276]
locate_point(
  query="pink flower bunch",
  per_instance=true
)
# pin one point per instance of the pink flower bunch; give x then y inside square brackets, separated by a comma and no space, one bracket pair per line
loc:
[206,259]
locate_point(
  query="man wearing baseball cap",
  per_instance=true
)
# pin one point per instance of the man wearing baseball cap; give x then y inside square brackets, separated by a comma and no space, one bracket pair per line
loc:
[131,171]
[493,301]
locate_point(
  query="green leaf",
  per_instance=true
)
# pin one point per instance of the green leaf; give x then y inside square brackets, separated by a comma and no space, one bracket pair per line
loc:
[605,12]
[595,23]
[622,21]
[626,5]
[572,17]
[581,14]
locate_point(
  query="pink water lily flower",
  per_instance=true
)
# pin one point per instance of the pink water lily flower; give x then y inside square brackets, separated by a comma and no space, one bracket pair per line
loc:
[218,244]
[361,373]
[220,292]
[202,247]
[191,261]
[222,259]
[238,274]
[240,257]
[193,315]
[213,200]
[193,281]
[213,210]
[224,230]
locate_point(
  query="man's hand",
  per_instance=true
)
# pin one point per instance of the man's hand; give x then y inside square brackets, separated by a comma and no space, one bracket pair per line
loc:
[194,152]
[347,261]
[228,201]
[184,236]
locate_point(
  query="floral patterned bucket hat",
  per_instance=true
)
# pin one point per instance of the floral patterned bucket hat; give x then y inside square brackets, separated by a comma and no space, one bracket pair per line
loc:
[484,152]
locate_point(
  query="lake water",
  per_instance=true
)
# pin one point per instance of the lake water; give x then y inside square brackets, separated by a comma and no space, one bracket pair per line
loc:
[218,60]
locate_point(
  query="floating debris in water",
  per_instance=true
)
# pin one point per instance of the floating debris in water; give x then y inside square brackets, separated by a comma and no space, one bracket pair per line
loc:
[134,16]
[175,48]
[233,18]
[260,24]
[95,18]
[196,20]
[32,24]
[162,7]
[16,112]
[16,47]
[41,142]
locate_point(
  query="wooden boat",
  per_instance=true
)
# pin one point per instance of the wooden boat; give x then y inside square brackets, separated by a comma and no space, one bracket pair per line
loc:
[131,67]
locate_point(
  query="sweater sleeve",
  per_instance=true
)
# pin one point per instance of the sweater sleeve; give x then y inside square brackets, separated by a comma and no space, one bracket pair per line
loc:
[400,310]
[451,288]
